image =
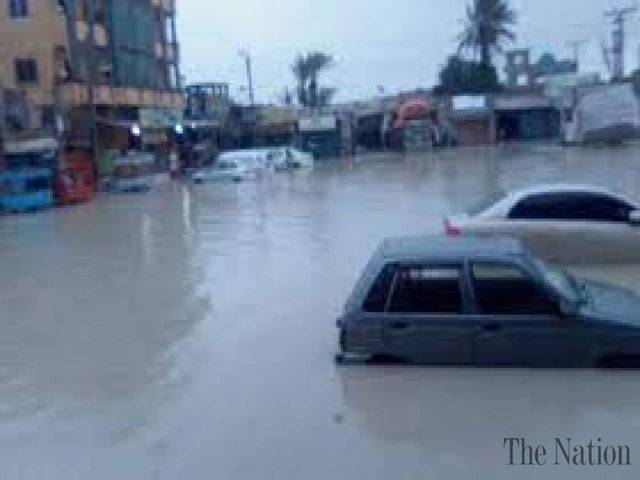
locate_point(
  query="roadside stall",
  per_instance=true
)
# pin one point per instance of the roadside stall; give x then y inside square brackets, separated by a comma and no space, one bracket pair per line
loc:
[320,135]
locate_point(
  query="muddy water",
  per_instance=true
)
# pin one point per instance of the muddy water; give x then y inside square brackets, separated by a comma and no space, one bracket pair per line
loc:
[189,333]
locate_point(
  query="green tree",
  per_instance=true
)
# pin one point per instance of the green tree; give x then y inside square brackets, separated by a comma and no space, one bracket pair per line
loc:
[488,26]
[461,76]
[307,69]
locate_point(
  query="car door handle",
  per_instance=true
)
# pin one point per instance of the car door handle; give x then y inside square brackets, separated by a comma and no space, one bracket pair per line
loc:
[400,325]
[491,327]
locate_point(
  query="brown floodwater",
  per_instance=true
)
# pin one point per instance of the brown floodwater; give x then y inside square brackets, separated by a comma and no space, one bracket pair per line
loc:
[189,333]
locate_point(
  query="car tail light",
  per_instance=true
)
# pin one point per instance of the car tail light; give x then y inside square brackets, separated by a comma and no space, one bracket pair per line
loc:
[451,230]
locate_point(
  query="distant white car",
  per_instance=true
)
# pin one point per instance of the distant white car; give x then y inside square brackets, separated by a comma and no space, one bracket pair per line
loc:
[564,223]
[287,158]
[254,159]
[269,158]
[224,170]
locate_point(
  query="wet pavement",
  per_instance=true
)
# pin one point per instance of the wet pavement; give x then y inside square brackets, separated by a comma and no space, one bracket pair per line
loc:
[189,333]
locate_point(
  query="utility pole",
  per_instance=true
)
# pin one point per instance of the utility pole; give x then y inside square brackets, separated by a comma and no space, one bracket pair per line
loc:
[247,58]
[91,82]
[60,75]
[577,45]
[618,17]
[3,116]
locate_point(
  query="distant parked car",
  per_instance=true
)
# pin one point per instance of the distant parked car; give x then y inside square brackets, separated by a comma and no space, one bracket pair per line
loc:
[255,159]
[567,223]
[132,173]
[484,302]
[288,158]
[223,170]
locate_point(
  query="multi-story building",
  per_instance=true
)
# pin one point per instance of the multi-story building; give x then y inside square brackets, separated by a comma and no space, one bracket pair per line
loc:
[104,62]
[30,34]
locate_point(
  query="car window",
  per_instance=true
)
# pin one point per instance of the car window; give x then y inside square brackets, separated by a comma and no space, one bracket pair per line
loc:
[572,207]
[376,301]
[427,290]
[598,208]
[540,207]
[506,290]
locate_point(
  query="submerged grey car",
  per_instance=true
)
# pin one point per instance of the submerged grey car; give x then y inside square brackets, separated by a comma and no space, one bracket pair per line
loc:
[485,302]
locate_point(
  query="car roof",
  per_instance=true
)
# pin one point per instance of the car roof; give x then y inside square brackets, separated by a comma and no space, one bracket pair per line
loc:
[561,188]
[440,247]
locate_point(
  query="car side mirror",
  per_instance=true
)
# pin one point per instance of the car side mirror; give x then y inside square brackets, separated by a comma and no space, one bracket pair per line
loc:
[568,308]
[634,218]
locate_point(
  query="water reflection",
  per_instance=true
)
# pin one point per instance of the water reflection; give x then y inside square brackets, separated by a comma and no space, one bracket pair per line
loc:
[466,414]
[94,299]
[190,332]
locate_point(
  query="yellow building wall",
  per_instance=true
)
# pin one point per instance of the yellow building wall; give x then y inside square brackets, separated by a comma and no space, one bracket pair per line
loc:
[37,37]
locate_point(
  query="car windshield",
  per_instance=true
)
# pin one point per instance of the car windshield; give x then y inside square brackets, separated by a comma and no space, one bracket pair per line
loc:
[561,281]
[488,202]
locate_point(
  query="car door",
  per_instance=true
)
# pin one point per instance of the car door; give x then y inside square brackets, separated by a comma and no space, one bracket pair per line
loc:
[519,321]
[539,220]
[576,227]
[426,315]
[601,224]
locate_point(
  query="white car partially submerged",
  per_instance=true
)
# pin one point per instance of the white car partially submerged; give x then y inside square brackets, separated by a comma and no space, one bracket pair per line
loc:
[254,160]
[224,170]
[564,223]
[288,158]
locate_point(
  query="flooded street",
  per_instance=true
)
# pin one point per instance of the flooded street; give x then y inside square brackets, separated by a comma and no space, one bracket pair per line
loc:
[189,333]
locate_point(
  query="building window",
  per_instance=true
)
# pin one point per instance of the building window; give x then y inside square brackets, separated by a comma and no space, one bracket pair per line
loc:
[18,8]
[82,11]
[26,71]
[100,11]
[48,118]
[522,80]
[62,7]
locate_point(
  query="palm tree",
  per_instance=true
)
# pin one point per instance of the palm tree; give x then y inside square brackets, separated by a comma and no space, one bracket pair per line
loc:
[487,27]
[306,69]
[300,70]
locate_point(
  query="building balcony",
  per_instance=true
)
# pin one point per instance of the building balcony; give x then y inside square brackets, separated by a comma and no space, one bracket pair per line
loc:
[77,95]
[170,52]
[166,51]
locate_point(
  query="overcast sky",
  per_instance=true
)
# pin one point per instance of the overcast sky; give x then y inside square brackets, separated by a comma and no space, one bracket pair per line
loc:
[398,44]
